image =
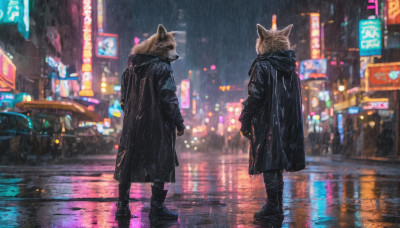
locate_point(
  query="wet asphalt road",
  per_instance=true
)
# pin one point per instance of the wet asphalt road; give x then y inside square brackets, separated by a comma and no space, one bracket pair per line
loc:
[212,190]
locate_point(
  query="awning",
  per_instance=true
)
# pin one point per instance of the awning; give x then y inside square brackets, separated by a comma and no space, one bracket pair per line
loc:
[74,107]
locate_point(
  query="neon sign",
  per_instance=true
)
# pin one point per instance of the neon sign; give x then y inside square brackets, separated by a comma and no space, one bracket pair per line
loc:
[87,75]
[185,94]
[393,14]
[315,42]
[370,36]
[373,4]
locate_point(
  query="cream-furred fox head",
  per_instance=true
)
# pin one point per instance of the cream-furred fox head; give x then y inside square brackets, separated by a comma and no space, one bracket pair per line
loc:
[160,44]
[272,40]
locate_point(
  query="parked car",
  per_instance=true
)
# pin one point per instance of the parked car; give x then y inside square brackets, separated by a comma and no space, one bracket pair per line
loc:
[59,136]
[91,139]
[17,136]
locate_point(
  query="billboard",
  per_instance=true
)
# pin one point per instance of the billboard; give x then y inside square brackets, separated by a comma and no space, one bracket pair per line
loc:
[16,12]
[383,76]
[107,46]
[313,69]
[185,94]
[393,12]
[370,37]
[7,73]
[315,40]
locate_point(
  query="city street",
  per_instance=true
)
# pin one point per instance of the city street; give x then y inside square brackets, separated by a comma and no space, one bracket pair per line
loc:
[212,190]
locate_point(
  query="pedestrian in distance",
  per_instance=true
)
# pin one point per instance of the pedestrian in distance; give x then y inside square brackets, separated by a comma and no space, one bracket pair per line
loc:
[151,117]
[272,116]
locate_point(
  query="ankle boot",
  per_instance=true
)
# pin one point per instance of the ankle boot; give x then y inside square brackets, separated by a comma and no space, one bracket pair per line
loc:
[157,209]
[272,206]
[123,200]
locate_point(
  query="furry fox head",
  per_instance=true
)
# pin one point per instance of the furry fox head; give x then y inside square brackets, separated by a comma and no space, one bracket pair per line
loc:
[271,41]
[160,44]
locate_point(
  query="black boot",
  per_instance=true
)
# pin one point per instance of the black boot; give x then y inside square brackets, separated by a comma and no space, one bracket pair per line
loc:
[272,206]
[157,210]
[123,200]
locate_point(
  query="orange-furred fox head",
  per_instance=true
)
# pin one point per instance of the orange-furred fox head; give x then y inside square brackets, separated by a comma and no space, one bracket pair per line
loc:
[160,44]
[271,40]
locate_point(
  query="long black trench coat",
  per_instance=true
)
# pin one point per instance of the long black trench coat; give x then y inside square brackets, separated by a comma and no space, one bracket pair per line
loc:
[151,116]
[272,114]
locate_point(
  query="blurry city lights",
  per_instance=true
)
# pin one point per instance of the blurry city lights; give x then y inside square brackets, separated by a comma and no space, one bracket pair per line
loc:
[212,129]
[188,127]
[210,114]
[185,141]
[213,67]
[57,141]
[187,146]
[195,138]
[192,142]
[206,120]
[341,88]
[116,146]
[228,87]
[233,121]
[204,69]
[362,117]
[229,129]
[136,40]
[230,109]
[103,90]
[195,148]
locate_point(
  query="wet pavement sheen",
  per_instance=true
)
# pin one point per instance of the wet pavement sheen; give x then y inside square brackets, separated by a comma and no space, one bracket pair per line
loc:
[212,190]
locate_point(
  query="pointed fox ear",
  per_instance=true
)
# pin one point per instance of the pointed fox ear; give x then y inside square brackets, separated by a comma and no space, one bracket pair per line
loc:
[161,31]
[173,33]
[286,31]
[262,32]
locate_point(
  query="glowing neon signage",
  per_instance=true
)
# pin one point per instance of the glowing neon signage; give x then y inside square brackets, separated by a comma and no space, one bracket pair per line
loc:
[185,94]
[100,16]
[7,73]
[87,75]
[373,4]
[315,42]
[393,13]
[370,37]
[16,11]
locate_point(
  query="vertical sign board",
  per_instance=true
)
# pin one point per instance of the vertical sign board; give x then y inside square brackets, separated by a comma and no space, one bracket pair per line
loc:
[393,12]
[185,94]
[7,73]
[370,37]
[315,41]
[100,16]
[16,11]
[87,76]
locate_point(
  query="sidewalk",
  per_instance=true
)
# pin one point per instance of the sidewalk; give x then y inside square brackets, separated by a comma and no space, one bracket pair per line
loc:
[376,161]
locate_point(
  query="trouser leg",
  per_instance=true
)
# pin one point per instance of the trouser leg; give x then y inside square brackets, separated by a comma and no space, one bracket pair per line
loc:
[123,200]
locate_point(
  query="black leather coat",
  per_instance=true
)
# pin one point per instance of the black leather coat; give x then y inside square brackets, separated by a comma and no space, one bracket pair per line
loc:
[272,114]
[151,116]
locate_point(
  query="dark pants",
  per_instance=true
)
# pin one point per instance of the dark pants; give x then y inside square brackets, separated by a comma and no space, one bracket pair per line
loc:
[273,181]
[124,188]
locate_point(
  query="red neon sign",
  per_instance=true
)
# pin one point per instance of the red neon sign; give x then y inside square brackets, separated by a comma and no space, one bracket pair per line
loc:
[87,50]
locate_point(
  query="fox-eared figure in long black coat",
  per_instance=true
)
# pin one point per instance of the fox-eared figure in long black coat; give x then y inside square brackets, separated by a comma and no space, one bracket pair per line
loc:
[146,151]
[272,116]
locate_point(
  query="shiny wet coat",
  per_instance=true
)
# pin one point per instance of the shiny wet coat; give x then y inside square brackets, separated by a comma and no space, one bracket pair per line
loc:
[151,116]
[272,114]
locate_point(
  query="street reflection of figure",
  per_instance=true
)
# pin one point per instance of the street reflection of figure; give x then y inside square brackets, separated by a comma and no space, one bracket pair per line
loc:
[151,116]
[272,116]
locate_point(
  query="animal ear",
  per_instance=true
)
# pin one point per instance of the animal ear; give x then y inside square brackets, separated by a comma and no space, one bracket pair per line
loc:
[286,31]
[161,31]
[173,33]
[262,32]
